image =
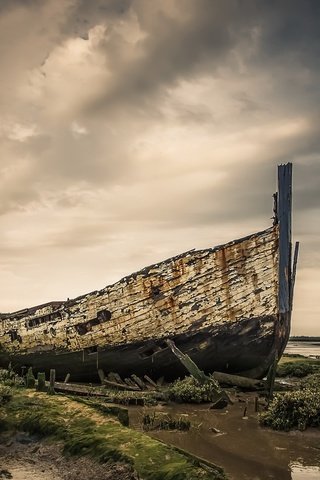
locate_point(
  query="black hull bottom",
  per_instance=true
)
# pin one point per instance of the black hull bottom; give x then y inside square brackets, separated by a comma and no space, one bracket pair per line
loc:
[244,346]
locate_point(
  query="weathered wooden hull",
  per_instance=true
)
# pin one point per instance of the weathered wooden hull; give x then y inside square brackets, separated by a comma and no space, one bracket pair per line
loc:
[219,305]
[238,348]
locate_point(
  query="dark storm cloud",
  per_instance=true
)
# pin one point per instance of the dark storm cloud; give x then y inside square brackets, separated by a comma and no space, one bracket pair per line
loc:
[290,30]
[176,42]
[199,36]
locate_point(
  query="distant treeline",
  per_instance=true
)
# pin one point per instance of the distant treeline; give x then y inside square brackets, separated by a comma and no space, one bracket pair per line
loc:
[304,339]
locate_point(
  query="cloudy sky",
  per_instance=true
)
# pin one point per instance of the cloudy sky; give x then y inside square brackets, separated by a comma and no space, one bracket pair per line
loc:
[132,130]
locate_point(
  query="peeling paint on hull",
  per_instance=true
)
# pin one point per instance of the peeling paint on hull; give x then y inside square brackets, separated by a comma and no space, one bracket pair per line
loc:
[219,305]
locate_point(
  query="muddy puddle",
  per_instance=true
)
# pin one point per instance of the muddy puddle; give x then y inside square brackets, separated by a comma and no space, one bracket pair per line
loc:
[239,445]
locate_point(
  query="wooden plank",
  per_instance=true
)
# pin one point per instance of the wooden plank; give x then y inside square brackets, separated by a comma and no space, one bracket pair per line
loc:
[119,386]
[138,381]
[150,381]
[187,362]
[129,382]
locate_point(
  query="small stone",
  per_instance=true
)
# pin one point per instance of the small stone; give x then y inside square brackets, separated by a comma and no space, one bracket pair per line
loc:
[214,430]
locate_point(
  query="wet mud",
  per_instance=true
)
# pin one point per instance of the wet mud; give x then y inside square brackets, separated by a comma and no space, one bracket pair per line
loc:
[233,439]
[25,458]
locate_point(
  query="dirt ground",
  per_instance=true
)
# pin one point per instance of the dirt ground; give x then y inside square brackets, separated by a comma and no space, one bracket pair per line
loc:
[25,458]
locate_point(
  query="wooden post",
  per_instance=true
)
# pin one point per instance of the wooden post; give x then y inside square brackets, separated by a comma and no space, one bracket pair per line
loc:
[271,378]
[51,390]
[282,330]
[30,378]
[284,216]
[101,375]
[41,386]
[294,271]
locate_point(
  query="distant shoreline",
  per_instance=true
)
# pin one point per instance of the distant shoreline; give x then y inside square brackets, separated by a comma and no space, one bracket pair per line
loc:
[304,339]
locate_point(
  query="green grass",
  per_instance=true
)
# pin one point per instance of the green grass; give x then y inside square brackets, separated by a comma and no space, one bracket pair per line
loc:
[298,409]
[84,432]
[189,390]
[297,367]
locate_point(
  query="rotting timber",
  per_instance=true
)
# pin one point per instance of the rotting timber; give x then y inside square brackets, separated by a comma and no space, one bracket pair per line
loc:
[227,307]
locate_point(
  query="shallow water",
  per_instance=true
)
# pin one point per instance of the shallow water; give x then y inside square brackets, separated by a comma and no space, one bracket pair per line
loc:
[308,349]
[301,472]
[245,450]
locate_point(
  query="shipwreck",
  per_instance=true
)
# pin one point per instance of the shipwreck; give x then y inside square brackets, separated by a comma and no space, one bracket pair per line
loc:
[227,307]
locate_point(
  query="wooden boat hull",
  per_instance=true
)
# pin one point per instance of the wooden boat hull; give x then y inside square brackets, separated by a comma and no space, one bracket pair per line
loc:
[227,307]
[236,348]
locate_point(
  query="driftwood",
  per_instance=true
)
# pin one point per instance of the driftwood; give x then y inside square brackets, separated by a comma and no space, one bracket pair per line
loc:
[238,381]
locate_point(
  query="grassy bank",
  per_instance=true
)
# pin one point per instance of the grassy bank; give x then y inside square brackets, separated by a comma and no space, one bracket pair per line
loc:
[300,408]
[297,366]
[85,431]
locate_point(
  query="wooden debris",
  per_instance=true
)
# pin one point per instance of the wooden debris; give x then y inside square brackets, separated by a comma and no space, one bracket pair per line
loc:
[150,381]
[238,381]
[120,386]
[220,395]
[117,378]
[129,382]
[139,382]
[187,362]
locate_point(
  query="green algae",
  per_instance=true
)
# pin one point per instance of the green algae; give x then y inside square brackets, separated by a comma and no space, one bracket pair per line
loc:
[106,408]
[103,438]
